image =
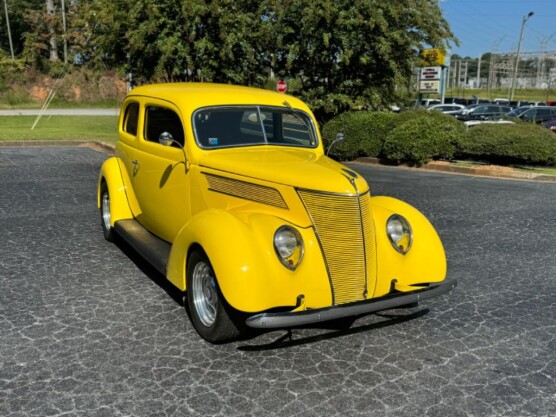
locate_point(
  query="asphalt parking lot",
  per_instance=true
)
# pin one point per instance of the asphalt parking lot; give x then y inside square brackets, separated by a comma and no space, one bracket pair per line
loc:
[88,329]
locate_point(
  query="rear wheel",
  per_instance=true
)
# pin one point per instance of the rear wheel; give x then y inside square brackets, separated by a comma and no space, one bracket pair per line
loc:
[105,212]
[213,318]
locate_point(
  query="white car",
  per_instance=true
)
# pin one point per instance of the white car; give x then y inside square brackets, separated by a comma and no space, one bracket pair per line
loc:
[447,108]
[471,123]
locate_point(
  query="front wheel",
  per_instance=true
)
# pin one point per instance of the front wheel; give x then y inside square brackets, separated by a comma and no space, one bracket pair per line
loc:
[213,318]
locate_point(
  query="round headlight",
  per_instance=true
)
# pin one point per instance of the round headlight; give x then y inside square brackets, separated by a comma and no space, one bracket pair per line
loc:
[288,246]
[399,233]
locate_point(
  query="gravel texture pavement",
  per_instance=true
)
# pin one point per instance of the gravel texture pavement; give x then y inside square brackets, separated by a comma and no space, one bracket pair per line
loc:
[88,329]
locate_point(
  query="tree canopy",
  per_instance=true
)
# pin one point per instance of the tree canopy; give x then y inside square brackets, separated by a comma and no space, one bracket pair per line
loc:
[335,54]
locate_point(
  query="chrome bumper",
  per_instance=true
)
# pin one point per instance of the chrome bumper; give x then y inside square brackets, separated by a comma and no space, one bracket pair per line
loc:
[301,318]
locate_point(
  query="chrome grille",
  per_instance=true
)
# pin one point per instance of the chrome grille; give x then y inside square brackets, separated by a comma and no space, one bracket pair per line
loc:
[345,228]
[246,190]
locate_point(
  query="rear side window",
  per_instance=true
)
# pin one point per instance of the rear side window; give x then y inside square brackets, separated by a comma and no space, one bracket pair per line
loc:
[130,119]
[159,120]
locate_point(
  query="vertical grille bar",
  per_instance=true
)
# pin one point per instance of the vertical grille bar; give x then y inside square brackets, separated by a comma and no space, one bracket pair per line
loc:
[340,221]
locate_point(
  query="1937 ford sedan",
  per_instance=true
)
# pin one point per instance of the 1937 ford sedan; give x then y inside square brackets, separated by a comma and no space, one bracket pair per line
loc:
[227,192]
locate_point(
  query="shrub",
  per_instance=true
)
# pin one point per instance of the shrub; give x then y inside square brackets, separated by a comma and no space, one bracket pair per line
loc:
[421,136]
[364,132]
[509,144]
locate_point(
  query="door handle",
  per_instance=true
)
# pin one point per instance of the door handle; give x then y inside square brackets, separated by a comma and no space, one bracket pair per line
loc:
[135,162]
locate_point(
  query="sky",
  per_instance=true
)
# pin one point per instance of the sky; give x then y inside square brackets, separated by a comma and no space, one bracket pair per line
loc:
[494,25]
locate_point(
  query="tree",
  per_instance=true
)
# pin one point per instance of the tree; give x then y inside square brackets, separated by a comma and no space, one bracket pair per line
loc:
[337,54]
[351,53]
[17,9]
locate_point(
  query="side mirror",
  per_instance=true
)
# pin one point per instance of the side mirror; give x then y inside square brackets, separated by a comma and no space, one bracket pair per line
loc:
[339,138]
[166,139]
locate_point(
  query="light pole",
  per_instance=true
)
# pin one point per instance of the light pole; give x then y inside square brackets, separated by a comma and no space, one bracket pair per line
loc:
[9,31]
[525,18]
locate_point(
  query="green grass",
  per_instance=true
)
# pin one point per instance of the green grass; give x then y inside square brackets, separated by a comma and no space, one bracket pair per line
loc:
[98,128]
[533,169]
[529,94]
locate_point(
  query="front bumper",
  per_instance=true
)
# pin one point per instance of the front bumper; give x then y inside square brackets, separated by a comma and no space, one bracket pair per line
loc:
[293,319]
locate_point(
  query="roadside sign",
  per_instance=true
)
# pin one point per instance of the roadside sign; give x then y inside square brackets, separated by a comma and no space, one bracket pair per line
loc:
[429,87]
[431,73]
[281,86]
[429,80]
[433,57]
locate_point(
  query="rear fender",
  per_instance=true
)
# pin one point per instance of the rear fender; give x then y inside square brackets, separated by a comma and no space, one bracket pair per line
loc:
[425,262]
[111,174]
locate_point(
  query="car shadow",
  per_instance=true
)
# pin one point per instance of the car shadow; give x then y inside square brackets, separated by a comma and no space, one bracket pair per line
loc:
[150,271]
[336,328]
[339,329]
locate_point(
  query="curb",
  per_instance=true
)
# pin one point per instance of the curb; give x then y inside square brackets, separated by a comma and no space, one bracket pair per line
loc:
[492,171]
[99,146]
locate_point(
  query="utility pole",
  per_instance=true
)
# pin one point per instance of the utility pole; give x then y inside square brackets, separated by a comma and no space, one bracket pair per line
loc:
[9,31]
[525,18]
[65,33]
[479,73]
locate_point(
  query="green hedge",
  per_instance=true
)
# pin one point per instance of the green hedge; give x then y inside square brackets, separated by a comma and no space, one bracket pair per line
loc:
[509,144]
[364,133]
[417,136]
[421,136]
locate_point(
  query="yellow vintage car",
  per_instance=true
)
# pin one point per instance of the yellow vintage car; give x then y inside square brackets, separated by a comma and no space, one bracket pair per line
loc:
[227,191]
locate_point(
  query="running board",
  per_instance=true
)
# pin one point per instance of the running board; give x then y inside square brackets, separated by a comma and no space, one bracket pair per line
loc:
[155,250]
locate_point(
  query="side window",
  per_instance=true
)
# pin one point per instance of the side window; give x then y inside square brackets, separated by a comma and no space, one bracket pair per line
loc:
[131,118]
[160,119]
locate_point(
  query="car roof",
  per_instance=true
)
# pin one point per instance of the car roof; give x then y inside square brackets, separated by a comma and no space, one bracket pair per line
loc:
[191,96]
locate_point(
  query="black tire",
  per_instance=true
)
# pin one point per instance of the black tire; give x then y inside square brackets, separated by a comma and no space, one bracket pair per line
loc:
[107,229]
[213,318]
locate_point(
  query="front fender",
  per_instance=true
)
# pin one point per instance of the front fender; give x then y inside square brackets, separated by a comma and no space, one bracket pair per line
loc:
[424,263]
[242,255]
[111,174]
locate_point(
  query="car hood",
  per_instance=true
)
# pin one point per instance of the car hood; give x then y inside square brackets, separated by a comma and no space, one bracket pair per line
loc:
[299,168]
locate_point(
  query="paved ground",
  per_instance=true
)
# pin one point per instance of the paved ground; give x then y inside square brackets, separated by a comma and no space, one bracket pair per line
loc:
[87,329]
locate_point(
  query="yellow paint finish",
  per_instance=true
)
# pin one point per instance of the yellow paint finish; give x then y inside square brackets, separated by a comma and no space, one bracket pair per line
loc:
[248,271]
[301,168]
[424,263]
[110,172]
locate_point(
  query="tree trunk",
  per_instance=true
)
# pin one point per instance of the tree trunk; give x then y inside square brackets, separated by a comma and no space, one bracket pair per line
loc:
[50,22]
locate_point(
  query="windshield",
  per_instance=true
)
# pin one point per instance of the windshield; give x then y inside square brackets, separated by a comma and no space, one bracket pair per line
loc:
[219,127]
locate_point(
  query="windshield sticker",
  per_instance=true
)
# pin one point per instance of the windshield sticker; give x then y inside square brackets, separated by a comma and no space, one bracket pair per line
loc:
[213,141]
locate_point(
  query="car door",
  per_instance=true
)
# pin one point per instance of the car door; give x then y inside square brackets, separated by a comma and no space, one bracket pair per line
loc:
[126,147]
[160,179]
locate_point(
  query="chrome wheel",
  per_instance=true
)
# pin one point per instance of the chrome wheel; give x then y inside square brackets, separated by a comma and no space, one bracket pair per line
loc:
[106,210]
[205,295]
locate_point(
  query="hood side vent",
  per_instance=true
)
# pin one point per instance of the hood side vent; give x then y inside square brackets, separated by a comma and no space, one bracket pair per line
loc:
[246,190]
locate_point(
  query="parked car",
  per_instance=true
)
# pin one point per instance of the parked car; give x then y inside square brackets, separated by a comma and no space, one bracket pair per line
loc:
[457,100]
[427,102]
[472,123]
[538,114]
[447,108]
[227,192]
[551,103]
[518,111]
[483,112]
[550,124]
